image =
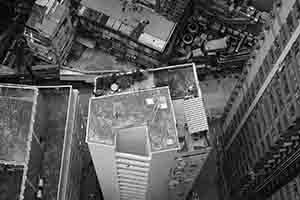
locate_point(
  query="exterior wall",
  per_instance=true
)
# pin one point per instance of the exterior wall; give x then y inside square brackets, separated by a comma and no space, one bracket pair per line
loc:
[145,48]
[48,145]
[18,108]
[116,43]
[247,87]
[106,169]
[76,159]
[72,162]
[105,165]
[290,191]
[161,164]
[50,38]
[260,122]
[168,173]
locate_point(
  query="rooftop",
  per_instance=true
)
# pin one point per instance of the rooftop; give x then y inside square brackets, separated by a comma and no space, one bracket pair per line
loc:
[32,139]
[156,33]
[186,98]
[16,109]
[151,108]
[181,79]
[49,25]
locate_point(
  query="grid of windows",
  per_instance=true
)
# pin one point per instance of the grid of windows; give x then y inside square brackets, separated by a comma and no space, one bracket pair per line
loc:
[274,52]
[290,191]
[273,115]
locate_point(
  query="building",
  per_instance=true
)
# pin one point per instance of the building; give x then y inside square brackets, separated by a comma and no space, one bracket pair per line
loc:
[129,30]
[259,144]
[151,135]
[288,191]
[40,134]
[49,31]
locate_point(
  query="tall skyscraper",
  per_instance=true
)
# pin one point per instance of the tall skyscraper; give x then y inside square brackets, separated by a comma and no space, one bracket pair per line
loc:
[259,145]
[150,140]
[40,135]
[49,31]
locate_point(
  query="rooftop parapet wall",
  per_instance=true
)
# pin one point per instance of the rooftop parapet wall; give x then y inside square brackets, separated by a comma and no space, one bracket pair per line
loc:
[37,141]
[152,108]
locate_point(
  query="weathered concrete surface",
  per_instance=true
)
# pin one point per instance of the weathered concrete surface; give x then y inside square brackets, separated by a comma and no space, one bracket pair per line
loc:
[216,93]
[206,186]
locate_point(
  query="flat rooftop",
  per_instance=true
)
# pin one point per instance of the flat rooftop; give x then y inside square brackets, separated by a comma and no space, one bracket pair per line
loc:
[151,108]
[156,33]
[182,80]
[28,116]
[186,98]
[16,110]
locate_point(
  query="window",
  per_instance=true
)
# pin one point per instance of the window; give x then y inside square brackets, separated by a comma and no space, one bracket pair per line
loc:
[261,75]
[273,103]
[278,125]
[268,140]
[268,63]
[256,84]
[258,132]
[235,122]
[239,114]
[277,47]
[291,76]
[292,110]
[284,121]
[267,108]
[296,13]
[282,35]
[245,105]
[279,96]
[285,84]
[290,22]
[263,147]
[265,67]
[263,122]
[271,56]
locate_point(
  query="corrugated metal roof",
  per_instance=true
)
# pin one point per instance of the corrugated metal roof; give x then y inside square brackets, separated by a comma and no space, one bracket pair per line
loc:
[195,115]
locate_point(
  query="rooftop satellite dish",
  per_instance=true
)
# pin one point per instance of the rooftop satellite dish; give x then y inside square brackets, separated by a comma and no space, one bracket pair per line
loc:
[114,87]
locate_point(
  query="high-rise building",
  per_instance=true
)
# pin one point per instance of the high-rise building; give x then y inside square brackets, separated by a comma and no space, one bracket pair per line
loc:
[49,31]
[40,133]
[290,190]
[259,144]
[137,31]
[148,140]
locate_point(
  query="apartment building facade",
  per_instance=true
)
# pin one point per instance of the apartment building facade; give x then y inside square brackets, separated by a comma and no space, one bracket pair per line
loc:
[259,144]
